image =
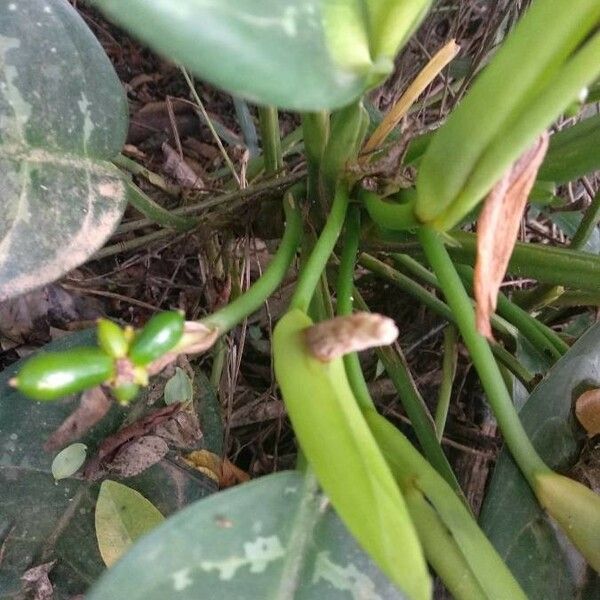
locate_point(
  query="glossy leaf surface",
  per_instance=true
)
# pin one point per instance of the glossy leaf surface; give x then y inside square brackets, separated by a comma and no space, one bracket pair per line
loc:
[291,53]
[63,115]
[272,538]
[511,517]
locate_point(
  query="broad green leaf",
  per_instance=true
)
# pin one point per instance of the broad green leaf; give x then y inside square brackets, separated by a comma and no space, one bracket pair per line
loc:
[41,520]
[290,53]
[348,463]
[275,537]
[511,517]
[573,152]
[68,461]
[63,115]
[122,516]
[178,388]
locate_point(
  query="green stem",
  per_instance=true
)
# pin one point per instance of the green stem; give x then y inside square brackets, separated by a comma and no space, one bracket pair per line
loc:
[540,335]
[436,305]
[344,288]
[311,272]
[441,549]
[154,212]
[493,384]
[448,374]
[588,224]
[271,138]
[315,131]
[537,333]
[397,369]
[229,316]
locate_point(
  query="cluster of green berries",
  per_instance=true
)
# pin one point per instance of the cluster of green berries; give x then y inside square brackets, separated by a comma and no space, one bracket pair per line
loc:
[120,361]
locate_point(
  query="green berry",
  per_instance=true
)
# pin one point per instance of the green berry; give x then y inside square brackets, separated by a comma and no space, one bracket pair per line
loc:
[52,375]
[160,334]
[112,339]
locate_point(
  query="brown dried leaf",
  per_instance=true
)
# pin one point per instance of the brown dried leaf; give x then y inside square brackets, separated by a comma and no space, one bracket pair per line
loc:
[221,470]
[113,443]
[135,457]
[334,338]
[94,404]
[497,229]
[37,583]
[180,170]
[587,410]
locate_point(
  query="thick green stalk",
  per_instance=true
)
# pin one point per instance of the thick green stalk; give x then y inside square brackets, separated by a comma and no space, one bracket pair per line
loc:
[271,138]
[448,374]
[397,369]
[493,384]
[540,335]
[344,301]
[312,269]
[529,326]
[315,132]
[411,469]
[436,305]
[229,316]
[441,550]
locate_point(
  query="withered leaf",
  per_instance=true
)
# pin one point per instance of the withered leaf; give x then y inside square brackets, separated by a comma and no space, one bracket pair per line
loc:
[179,169]
[497,229]
[334,338]
[136,456]
[587,410]
[221,470]
[37,583]
[111,444]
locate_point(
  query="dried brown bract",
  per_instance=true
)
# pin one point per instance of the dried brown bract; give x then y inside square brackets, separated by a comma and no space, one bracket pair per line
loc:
[330,339]
[497,229]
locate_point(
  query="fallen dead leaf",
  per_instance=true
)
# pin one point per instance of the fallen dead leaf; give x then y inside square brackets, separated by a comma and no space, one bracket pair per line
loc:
[97,466]
[497,229]
[135,457]
[180,170]
[223,471]
[37,583]
[587,410]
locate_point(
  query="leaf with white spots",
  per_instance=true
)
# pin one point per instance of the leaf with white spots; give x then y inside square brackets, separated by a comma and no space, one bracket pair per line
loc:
[63,116]
[275,537]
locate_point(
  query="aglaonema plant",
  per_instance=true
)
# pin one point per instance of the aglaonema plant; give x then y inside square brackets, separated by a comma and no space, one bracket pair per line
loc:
[320,58]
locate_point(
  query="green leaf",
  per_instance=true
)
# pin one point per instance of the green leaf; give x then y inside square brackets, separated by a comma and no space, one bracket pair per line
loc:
[122,517]
[63,115]
[511,517]
[573,152]
[271,538]
[337,443]
[41,520]
[569,221]
[179,388]
[289,53]
[68,461]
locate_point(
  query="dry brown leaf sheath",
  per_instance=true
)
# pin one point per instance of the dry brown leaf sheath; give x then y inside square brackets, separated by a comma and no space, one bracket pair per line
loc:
[497,229]
[352,333]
